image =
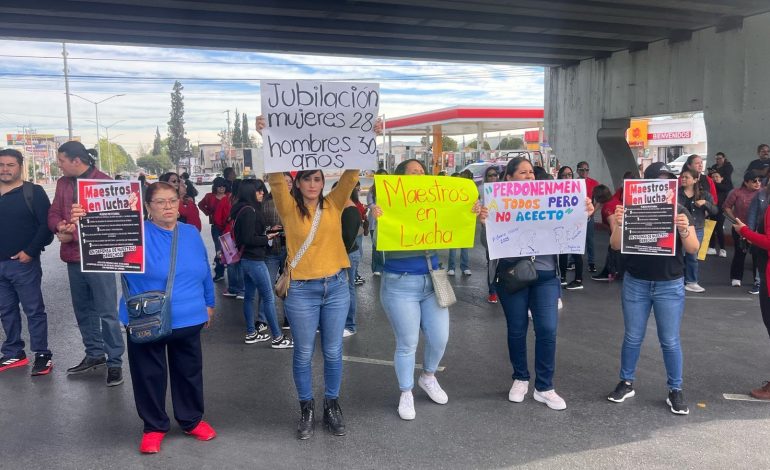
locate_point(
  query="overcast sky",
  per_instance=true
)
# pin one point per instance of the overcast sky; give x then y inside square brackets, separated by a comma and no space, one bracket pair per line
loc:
[32,86]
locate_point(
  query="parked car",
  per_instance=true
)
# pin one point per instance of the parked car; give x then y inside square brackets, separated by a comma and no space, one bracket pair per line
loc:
[205,178]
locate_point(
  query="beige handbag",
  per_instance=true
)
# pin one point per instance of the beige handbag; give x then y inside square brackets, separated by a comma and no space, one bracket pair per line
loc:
[284,280]
[445,295]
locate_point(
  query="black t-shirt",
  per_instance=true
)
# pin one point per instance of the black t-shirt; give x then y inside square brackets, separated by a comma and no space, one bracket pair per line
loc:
[351,222]
[659,268]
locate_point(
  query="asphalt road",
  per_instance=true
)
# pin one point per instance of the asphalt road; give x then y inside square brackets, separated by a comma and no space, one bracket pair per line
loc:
[61,422]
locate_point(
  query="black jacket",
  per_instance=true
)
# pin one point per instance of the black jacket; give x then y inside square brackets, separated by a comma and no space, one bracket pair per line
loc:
[249,231]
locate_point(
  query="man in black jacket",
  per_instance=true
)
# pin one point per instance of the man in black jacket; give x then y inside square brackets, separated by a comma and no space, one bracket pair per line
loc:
[20,273]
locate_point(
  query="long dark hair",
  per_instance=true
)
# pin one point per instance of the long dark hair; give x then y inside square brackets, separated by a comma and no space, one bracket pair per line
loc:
[236,184]
[562,170]
[247,193]
[303,210]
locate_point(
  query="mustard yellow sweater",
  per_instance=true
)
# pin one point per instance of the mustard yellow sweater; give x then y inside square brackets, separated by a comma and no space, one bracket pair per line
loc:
[326,255]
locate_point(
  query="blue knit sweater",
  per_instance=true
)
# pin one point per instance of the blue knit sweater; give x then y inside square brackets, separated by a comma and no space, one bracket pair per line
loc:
[193,287]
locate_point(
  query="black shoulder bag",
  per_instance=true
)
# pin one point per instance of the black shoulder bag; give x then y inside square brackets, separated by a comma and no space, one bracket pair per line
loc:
[522,274]
[149,313]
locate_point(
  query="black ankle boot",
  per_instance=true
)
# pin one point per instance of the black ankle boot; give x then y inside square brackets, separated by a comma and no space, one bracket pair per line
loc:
[333,420]
[306,424]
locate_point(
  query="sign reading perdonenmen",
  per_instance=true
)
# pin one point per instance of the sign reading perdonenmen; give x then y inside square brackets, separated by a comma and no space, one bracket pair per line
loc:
[313,125]
[649,219]
[112,232]
[530,218]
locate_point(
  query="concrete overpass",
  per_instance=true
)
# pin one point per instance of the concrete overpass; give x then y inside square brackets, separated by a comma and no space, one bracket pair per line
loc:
[607,61]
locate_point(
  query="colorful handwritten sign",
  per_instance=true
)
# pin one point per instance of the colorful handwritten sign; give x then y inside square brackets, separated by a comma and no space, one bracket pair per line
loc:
[425,212]
[111,234]
[648,222]
[315,125]
[537,217]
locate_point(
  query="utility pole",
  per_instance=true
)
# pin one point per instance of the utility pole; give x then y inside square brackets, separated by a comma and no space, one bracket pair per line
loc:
[67,89]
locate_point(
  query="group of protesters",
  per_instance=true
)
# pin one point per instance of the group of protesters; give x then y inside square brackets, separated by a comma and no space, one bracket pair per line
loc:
[296,242]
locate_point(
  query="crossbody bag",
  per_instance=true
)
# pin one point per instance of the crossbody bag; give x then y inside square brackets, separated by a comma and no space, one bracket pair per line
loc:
[284,280]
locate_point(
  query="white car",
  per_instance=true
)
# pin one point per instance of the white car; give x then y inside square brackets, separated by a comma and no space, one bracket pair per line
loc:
[676,165]
[205,178]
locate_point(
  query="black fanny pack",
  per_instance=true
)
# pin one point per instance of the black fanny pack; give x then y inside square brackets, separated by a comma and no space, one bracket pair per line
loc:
[519,275]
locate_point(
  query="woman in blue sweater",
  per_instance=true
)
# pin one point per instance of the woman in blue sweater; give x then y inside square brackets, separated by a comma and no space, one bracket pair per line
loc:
[192,306]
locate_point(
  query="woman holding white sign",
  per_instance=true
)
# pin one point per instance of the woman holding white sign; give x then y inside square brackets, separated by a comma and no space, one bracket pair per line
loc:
[407,295]
[541,297]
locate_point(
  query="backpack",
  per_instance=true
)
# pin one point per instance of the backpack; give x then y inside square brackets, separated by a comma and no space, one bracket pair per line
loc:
[28,190]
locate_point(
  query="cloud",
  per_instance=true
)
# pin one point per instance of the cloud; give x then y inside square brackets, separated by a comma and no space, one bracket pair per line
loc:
[32,88]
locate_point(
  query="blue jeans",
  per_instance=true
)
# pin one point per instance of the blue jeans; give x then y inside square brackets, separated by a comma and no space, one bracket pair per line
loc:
[274,262]
[666,298]
[95,302]
[410,304]
[542,299]
[235,278]
[378,257]
[691,261]
[219,268]
[20,282]
[318,304]
[355,259]
[590,239]
[463,259]
[256,277]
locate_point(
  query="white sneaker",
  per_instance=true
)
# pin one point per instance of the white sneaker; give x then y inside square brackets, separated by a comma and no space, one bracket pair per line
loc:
[518,391]
[433,389]
[550,398]
[694,287]
[406,406]
[560,304]
[722,253]
[711,251]
[348,333]
[451,272]
[376,273]
[467,272]
[735,283]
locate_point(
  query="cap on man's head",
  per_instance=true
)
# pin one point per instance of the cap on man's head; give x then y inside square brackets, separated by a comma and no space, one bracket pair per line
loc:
[655,170]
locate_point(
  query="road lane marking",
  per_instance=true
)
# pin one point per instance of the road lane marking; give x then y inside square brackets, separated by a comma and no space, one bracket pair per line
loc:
[380,362]
[740,397]
[698,297]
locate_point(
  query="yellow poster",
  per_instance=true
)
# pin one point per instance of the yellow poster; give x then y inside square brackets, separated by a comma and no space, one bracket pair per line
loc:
[708,230]
[425,212]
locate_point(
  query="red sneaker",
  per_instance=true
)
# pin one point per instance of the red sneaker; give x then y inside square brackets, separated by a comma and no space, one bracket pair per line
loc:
[151,442]
[8,362]
[492,299]
[203,432]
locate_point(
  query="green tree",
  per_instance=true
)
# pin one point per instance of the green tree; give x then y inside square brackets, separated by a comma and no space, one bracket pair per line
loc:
[448,144]
[474,144]
[237,137]
[156,144]
[245,132]
[177,142]
[113,158]
[510,143]
[155,164]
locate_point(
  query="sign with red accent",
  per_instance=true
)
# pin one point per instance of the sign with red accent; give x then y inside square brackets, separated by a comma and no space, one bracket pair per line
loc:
[649,221]
[111,234]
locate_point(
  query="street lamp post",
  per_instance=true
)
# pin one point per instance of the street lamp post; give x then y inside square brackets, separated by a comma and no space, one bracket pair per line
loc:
[96,109]
[109,147]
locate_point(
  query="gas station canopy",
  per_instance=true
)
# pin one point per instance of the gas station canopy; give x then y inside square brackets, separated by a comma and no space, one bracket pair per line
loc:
[462,121]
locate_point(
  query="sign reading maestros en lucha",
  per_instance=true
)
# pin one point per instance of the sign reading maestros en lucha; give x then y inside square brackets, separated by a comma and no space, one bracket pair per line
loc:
[313,125]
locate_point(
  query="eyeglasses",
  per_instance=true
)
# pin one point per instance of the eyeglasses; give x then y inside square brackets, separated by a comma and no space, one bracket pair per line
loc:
[756,180]
[567,174]
[165,202]
[582,169]
[492,175]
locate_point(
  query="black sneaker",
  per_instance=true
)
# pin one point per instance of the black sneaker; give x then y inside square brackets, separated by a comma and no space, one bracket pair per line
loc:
[43,364]
[571,267]
[574,285]
[677,403]
[261,327]
[622,391]
[114,376]
[591,268]
[601,277]
[9,362]
[564,281]
[282,342]
[359,281]
[87,364]
[285,324]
